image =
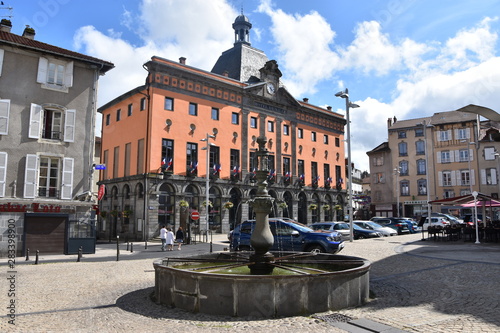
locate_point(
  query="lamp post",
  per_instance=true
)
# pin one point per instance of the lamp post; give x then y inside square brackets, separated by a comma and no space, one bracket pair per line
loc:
[424,126]
[474,194]
[348,104]
[207,179]
[397,171]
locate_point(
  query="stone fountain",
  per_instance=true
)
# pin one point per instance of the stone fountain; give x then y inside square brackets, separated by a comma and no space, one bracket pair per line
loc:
[247,284]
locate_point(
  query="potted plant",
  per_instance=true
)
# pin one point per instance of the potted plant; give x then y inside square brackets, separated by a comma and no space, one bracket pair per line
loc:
[204,204]
[338,207]
[313,207]
[103,214]
[114,212]
[326,207]
[126,213]
[228,205]
[283,205]
[183,204]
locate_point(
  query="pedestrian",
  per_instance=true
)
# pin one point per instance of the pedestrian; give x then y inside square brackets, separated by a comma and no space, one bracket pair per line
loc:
[163,237]
[179,238]
[170,240]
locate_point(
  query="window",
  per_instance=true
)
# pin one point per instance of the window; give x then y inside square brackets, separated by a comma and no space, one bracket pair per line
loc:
[169,104]
[215,160]
[420,147]
[253,162]
[234,160]
[444,135]
[4,114]
[3,172]
[422,187]
[116,163]
[325,139]
[463,155]
[405,188]
[378,161]
[235,118]
[313,136]
[326,174]
[446,180]
[191,159]
[465,177]
[253,122]
[270,126]
[337,142]
[462,133]
[215,114]
[129,110]
[445,156]
[419,132]
[287,170]
[118,114]
[301,169]
[379,178]
[52,123]
[108,119]
[464,191]
[167,155]
[401,134]
[49,177]
[448,194]
[421,170]
[193,109]
[271,163]
[489,153]
[142,105]
[55,74]
[314,173]
[489,176]
[403,168]
[300,133]
[1,61]
[403,149]
[126,169]
[286,130]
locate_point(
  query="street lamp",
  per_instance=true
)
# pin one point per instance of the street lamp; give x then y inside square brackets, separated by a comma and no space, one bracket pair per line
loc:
[474,194]
[397,171]
[207,179]
[348,104]
[427,185]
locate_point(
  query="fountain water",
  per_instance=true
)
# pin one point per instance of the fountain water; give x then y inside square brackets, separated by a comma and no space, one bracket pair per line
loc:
[246,284]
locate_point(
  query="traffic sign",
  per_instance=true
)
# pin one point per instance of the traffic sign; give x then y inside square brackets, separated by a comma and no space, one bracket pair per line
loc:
[195,215]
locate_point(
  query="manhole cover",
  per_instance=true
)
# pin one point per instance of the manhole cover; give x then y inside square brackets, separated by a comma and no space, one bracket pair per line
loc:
[334,318]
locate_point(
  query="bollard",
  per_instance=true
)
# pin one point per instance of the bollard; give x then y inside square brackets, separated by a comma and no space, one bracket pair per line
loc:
[211,239]
[131,247]
[117,248]
[36,257]
[146,244]
[27,254]
[79,258]
[127,245]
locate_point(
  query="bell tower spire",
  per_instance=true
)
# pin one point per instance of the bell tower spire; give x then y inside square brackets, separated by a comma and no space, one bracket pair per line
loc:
[242,28]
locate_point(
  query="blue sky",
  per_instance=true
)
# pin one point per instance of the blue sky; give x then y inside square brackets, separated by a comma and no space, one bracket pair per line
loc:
[403,58]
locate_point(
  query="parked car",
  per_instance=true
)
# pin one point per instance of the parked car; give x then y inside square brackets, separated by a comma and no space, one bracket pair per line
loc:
[357,232]
[435,221]
[341,227]
[398,224]
[370,225]
[288,236]
[412,224]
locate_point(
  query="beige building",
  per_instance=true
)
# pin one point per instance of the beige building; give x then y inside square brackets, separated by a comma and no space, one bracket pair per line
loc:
[432,158]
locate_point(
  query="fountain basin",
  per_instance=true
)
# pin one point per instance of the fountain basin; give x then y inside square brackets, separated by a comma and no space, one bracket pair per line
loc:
[337,282]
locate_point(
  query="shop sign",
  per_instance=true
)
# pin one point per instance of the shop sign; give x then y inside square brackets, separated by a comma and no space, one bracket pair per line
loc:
[34,207]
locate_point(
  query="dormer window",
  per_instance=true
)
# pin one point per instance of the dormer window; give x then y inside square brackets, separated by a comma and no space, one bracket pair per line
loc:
[55,74]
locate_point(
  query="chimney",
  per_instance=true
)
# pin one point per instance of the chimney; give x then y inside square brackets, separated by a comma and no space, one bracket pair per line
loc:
[29,32]
[389,122]
[306,100]
[182,60]
[5,25]
[329,108]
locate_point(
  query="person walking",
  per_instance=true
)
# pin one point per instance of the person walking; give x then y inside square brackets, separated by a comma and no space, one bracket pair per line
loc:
[179,238]
[163,237]
[170,240]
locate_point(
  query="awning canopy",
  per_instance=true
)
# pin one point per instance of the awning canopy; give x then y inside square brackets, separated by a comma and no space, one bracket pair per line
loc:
[463,199]
[488,203]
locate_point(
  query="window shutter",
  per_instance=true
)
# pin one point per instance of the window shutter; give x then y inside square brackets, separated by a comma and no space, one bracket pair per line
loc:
[493,176]
[68,75]
[471,154]
[467,133]
[67,178]
[472,177]
[457,155]
[438,157]
[456,133]
[3,172]
[69,126]
[35,121]
[1,61]
[438,134]
[455,178]
[448,135]
[43,64]
[30,175]
[4,116]
[440,178]
[452,157]
[483,176]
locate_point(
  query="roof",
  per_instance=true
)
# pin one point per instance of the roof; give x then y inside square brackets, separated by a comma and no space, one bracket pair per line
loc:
[241,62]
[464,199]
[28,43]
[380,148]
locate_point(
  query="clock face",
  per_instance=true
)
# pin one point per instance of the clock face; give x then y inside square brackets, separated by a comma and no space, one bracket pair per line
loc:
[270,88]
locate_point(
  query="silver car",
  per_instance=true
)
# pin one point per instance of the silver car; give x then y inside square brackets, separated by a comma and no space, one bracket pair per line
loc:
[370,225]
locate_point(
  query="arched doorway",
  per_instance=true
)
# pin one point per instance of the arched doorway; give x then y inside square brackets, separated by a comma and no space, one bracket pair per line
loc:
[315,213]
[328,212]
[166,205]
[251,214]
[287,212]
[302,208]
[274,208]
[115,208]
[191,195]
[235,211]
[215,217]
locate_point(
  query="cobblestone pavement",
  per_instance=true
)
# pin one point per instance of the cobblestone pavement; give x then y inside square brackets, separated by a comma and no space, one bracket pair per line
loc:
[417,287]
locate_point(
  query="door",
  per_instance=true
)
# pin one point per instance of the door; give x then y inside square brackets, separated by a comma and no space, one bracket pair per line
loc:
[45,233]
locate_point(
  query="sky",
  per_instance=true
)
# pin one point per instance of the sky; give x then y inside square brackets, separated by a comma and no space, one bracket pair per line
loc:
[398,58]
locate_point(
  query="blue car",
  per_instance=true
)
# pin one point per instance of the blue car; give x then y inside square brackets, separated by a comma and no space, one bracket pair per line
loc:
[288,236]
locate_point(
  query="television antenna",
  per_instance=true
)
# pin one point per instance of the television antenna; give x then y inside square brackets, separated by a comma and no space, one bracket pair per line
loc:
[9,8]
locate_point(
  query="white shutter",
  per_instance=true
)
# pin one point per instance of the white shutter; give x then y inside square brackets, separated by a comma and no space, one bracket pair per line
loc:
[68,75]
[43,65]
[452,157]
[1,61]
[493,176]
[3,172]
[449,135]
[30,176]
[455,131]
[489,153]
[35,121]
[69,126]
[472,177]
[455,178]
[67,178]
[440,178]
[471,154]
[4,116]
[438,134]
[483,176]
[467,133]
[456,153]
[438,157]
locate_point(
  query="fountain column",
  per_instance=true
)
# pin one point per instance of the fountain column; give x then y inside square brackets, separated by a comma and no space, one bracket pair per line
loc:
[262,239]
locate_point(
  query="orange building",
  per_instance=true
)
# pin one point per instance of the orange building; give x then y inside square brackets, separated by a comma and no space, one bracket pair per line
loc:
[153,139]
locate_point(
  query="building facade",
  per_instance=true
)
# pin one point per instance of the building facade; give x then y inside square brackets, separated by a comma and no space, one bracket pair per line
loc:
[47,119]
[431,158]
[189,134]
